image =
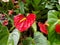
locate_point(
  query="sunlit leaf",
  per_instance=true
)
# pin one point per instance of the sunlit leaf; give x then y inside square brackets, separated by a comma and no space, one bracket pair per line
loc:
[3,35]
[40,39]
[14,37]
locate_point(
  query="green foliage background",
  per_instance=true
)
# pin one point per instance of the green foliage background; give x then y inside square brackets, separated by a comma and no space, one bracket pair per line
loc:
[44,9]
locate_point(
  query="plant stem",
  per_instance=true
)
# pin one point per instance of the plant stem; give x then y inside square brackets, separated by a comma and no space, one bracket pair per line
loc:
[11,28]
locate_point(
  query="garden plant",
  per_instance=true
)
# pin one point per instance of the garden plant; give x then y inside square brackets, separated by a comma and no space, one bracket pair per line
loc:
[29,22]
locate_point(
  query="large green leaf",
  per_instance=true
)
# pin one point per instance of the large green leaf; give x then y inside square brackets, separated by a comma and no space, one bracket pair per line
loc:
[3,35]
[8,39]
[40,39]
[53,19]
[14,37]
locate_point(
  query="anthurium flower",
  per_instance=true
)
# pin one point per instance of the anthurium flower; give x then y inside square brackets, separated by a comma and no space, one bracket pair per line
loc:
[57,28]
[22,23]
[43,28]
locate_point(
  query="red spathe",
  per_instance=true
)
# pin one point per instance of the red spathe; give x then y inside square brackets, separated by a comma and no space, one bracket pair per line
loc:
[22,23]
[42,28]
[57,28]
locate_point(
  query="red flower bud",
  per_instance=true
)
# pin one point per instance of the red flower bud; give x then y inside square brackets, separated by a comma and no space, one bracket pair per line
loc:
[42,28]
[5,22]
[22,23]
[10,12]
[57,28]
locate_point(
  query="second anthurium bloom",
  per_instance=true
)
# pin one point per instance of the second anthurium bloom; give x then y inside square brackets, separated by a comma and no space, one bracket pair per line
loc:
[22,23]
[43,28]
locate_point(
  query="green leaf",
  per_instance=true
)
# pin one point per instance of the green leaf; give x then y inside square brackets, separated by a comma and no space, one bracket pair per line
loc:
[28,1]
[27,41]
[52,17]
[58,6]
[6,39]
[54,0]
[40,39]
[34,26]
[49,6]
[14,37]
[36,2]
[21,7]
[57,40]
[35,12]
[17,11]
[55,43]
[3,35]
